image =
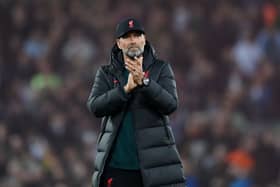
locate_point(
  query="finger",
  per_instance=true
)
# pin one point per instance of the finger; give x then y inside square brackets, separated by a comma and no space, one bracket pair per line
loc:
[131,63]
[136,61]
[130,77]
[136,79]
[137,68]
[134,74]
[135,71]
[126,58]
[136,65]
[133,68]
[129,60]
[130,68]
[137,75]
[139,60]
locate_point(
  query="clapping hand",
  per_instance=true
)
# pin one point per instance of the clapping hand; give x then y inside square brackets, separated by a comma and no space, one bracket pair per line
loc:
[135,68]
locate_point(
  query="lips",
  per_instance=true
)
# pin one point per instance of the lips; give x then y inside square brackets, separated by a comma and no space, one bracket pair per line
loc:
[133,47]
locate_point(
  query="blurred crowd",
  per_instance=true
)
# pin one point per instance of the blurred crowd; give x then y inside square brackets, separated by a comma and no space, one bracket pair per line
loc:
[226,59]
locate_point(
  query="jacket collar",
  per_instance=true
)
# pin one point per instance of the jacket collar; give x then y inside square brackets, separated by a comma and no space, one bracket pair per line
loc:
[117,61]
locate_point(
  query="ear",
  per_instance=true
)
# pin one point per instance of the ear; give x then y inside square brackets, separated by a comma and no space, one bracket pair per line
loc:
[144,39]
[118,43]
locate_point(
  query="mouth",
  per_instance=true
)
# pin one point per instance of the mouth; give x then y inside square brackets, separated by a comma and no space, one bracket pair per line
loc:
[133,47]
[133,51]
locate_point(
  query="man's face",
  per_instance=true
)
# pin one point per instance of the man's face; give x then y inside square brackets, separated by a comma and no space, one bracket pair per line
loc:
[132,43]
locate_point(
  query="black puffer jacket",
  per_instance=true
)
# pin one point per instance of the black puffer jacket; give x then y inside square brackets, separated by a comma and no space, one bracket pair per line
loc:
[158,157]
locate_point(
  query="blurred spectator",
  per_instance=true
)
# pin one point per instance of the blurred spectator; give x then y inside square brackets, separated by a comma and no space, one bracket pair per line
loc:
[247,53]
[78,48]
[269,40]
[36,45]
[45,78]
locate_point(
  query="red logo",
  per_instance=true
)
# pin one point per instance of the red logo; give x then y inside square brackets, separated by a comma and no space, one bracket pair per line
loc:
[109,182]
[130,24]
[115,81]
[146,74]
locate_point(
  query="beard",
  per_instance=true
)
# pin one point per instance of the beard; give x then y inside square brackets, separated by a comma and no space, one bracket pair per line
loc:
[133,52]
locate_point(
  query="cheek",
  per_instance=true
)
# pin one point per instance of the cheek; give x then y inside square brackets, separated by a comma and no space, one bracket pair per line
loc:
[122,46]
[125,45]
[143,43]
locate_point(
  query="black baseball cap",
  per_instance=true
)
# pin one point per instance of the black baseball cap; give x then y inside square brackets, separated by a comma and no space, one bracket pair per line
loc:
[127,25]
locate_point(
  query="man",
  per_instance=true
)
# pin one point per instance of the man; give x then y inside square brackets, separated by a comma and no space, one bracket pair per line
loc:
[134,94]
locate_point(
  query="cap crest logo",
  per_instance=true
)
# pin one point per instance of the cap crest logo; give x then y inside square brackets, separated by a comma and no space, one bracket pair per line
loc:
[130,24]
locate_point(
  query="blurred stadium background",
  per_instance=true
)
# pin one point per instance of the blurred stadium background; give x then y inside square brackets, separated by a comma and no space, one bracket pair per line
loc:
[226,58]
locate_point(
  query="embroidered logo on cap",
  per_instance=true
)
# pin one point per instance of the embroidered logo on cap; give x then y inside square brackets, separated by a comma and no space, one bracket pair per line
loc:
[130,24]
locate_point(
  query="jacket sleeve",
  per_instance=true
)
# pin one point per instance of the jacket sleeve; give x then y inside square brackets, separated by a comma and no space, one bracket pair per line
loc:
[104,100]
[162,94]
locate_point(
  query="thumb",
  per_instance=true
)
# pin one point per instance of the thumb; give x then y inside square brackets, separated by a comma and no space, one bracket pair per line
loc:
[139,59]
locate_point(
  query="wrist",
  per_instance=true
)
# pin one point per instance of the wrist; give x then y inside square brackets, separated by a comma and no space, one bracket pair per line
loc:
[139,80]
[126,89]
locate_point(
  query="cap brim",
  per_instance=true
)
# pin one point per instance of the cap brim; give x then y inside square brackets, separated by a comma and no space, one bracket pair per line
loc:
[130,30]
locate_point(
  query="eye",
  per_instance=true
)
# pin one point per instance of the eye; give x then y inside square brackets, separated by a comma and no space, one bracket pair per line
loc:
[125,36]
[137,34]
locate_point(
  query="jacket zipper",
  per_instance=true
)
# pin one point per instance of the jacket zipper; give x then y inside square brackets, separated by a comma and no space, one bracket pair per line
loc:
[140,165]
